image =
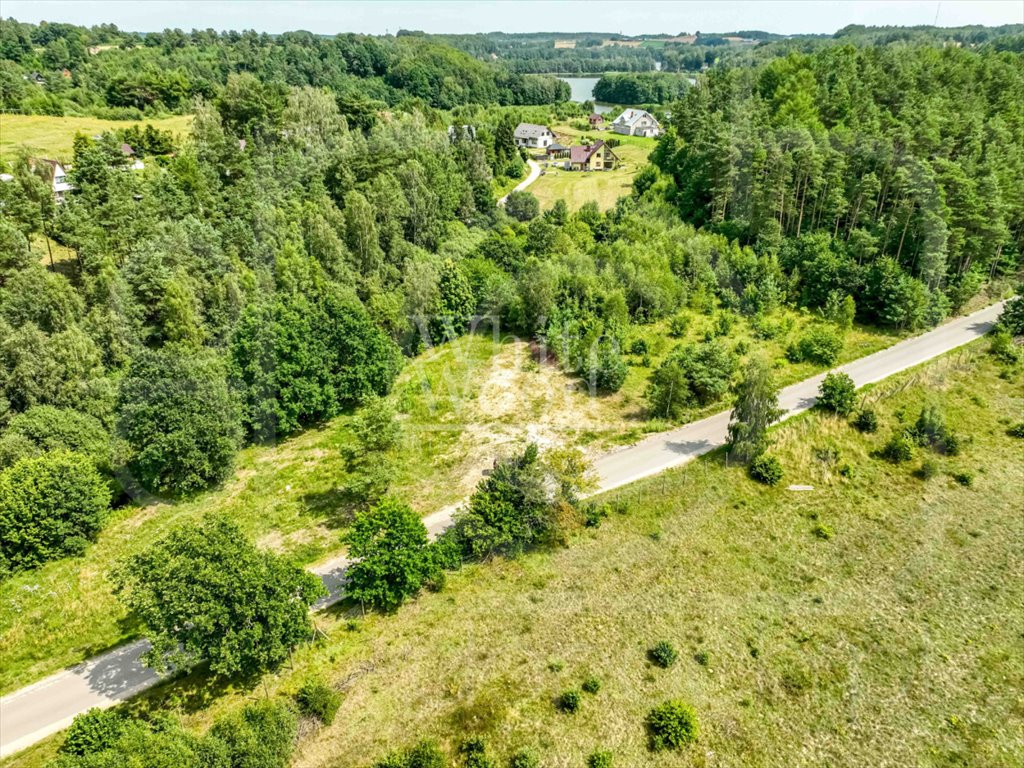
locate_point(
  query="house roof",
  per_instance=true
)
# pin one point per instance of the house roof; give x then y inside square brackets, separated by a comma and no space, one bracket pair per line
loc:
[126,149]
[531,131]
[630,116]
[556,147]
[584,153]
[595,117]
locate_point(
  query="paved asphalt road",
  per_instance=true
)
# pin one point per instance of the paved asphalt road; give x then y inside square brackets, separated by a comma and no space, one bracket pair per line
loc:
[48,706]
[534,175]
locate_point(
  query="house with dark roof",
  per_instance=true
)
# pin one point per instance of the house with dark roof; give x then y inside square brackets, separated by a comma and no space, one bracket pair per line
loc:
[592,157]
[636,122]
[534,136]
[557,150]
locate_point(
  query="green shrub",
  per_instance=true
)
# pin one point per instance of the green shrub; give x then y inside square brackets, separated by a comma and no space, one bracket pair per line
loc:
[930,429]
[51,506]
[46,428]
[823,532]
[866,421]
[702,657]
[820,344]
[93,731]
[663,654]
[425,754]
[316,699]
[474,754]
[899,449]
[600,759]
[593,514]
[929,469]
[591,685]
[524,758]
[677,326]
[1012,317]
[1001,347]
[638,347]
[568,702]
[671,725]
[1017,430]
[522,205]
[766,469]
[837,393]
[965,478]
[260,736]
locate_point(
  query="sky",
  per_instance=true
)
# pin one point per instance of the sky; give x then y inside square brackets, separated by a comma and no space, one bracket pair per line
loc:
[630,17]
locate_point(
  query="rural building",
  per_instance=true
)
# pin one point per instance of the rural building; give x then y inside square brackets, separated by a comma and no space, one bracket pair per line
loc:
[557,150]
[55,174]
[462,133]
[636,122]
[595,120]
[127,151]
[592,157]
[534,136]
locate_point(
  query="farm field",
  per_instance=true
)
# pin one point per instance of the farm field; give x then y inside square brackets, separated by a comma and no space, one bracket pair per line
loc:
[802,621]
[601,187]
[462,404]
[53,136]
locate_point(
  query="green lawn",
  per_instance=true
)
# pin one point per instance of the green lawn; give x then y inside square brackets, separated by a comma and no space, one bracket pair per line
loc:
[894,641]
[602,187]
[53,136]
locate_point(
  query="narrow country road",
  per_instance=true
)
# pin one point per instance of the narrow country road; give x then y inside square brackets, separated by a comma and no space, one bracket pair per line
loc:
[534,175]
[35,712]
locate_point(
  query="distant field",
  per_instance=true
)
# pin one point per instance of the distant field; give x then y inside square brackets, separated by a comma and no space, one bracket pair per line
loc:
[53,136]
[602,187]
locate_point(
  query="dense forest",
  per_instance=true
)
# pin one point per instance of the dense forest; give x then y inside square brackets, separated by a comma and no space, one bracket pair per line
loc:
[888,173]
[110,73]
[640,88]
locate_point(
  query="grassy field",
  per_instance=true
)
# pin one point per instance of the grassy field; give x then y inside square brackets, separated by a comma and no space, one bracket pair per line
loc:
[894,641]
[602,187]
[462,404]
[53,136]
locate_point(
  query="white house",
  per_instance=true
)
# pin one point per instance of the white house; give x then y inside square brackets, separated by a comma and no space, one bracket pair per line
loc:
[56,174]
[128,152]
[636,122]
[535,136]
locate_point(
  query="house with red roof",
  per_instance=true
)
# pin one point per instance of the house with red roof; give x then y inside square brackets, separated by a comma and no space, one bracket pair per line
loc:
[592,157]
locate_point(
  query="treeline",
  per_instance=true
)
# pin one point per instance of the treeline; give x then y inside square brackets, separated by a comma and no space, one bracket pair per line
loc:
[536,52]
[643,88]
[63,69]
[890,174]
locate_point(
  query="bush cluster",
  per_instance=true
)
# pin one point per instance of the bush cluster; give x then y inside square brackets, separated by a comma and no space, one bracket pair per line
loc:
[317,699]
[866,421]
[663,654]
[820,344]
[671,725]
[766,469]
[837,393]
[899,449]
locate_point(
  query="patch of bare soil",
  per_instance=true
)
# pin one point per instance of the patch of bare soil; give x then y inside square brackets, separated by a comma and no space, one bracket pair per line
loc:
[522,401]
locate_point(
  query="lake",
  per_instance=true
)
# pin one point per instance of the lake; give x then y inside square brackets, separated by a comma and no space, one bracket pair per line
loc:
[582,89]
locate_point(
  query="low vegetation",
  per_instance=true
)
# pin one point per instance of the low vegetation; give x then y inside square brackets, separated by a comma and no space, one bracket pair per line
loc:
[837,579]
